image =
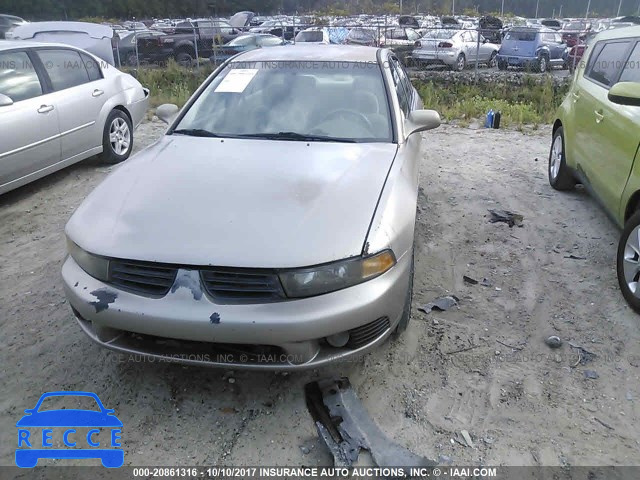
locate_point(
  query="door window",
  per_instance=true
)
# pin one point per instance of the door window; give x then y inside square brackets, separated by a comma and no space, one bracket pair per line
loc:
[631,71]
[402,85]
[205,28]
[92,66]
[64,67]
[18,79]
[606,64]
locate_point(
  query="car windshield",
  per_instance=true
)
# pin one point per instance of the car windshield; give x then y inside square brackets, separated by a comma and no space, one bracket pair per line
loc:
[521,36]
[440,34]
[292,100]
[242,40]
[362,34]
[69,402]
[576,26]
[311,36]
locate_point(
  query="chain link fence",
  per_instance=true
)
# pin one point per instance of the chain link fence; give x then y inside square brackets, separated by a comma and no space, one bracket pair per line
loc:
[453,48]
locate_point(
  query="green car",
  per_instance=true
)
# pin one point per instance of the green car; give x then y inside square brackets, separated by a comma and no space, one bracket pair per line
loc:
[596,138]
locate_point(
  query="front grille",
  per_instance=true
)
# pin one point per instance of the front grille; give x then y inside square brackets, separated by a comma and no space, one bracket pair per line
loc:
[367,333]
[140,277]
[242,285]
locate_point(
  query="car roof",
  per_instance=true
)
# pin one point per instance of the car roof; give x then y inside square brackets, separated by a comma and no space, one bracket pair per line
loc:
[13,44]
[614,33]
[324,53]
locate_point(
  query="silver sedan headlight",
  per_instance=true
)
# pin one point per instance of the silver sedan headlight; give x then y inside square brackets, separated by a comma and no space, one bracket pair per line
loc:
[97,267]
[334,276]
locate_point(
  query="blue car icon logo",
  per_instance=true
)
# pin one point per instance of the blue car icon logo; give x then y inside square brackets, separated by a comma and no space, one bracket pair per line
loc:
[75,428]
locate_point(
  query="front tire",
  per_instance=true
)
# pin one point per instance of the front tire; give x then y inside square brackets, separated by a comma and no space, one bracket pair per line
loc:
[628,262]
[406,313]
[560,176]
[184,59]
[502,65]
[117,138]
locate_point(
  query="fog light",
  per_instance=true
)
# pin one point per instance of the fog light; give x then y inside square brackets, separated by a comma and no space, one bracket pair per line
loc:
[338,340]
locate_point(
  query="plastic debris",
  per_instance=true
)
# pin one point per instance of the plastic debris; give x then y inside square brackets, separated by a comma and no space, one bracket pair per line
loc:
[346,428]
[505,216]
[442,304]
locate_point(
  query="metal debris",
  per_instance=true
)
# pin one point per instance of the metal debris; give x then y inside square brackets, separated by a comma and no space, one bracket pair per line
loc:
[442,304]
[575,257]
[346,428]
[467,438]
[505,216]
[470,280]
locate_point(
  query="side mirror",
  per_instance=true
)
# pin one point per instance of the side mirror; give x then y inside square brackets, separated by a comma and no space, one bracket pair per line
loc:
[5,101]
[167,112]
[625,93]
[420,121]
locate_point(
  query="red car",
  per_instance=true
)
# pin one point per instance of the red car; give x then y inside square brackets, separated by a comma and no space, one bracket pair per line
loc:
[574,56]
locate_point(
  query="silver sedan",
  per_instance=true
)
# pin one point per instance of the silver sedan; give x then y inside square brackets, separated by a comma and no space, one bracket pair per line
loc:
[60,105]
[454,48]
[271,227]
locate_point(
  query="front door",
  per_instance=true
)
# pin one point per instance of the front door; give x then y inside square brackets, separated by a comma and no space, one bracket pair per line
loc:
[607,150]
[29,132]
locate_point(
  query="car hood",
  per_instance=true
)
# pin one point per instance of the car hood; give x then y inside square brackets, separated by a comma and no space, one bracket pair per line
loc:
[236,203]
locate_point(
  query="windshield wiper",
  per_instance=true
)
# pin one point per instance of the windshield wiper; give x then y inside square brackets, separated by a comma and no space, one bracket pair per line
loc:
[295,136]
[196,132]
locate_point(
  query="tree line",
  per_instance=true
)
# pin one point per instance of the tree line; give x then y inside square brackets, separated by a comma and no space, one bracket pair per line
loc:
[145,9]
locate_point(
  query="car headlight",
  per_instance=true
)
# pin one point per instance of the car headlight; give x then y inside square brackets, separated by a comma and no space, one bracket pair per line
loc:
[308,282]
[97,267]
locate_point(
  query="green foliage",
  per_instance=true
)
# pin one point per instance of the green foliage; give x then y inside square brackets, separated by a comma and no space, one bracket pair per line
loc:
[173,84]
[527,104]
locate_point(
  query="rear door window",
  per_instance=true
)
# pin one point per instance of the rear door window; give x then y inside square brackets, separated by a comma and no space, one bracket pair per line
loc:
[92,66]
[18,78]
[64,67]
[631,70]
[605,64]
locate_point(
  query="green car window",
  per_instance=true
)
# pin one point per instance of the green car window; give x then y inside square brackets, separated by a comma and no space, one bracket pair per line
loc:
[608,63]
[631,72]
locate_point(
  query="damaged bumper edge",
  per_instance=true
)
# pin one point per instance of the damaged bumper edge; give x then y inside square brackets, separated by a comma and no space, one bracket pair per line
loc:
[346,428]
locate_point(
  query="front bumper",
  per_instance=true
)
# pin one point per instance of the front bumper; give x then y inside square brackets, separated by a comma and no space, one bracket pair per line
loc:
[285,335]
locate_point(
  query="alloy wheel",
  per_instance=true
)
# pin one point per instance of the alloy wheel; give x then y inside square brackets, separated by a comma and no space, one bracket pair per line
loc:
[120,136]
[631,261]
[556,157]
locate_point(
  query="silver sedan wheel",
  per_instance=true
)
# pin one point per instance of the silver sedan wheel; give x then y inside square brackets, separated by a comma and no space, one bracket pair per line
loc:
[631,261]
[556,157]
[119,136]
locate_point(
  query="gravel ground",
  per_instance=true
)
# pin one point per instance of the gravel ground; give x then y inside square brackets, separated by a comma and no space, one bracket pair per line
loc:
[522,402]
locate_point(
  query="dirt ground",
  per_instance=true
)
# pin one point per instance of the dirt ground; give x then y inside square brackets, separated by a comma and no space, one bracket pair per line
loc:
[522,402]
